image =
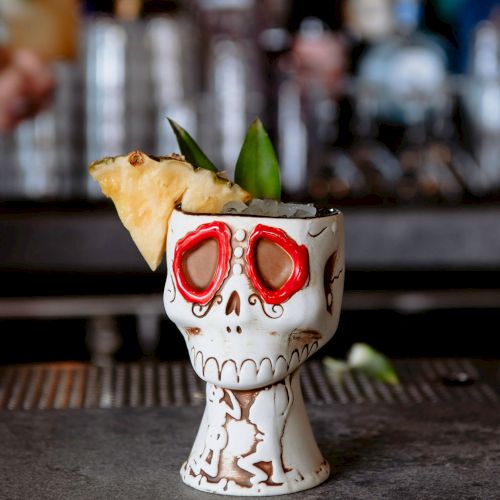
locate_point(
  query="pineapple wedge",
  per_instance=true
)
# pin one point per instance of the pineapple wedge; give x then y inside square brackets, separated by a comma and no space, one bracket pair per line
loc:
[146,189]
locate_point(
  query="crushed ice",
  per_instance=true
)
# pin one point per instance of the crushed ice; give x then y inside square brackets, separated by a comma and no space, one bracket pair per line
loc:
[270,208]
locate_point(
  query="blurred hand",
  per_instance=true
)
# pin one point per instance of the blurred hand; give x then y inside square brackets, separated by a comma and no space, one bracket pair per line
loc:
[26,86]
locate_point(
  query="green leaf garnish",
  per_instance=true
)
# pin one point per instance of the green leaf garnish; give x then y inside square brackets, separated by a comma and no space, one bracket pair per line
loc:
[335,368]
[257,169]
[366,359]
[191,151]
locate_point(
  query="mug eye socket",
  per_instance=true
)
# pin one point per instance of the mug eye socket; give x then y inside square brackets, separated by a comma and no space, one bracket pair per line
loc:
[273,265]
[277,266]
[201,261]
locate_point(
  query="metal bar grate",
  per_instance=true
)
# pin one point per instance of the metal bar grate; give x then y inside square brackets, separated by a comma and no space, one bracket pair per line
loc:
[151,384]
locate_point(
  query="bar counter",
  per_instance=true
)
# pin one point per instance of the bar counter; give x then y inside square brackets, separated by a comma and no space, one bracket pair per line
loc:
[433,441]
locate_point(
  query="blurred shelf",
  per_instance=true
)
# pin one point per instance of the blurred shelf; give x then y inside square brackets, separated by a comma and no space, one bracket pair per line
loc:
[90,239]
[91,306]
[466,237]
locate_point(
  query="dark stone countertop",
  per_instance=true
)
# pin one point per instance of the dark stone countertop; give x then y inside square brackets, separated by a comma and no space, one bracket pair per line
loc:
[421,451]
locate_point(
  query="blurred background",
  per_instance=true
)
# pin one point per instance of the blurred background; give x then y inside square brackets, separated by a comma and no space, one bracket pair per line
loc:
[388,109]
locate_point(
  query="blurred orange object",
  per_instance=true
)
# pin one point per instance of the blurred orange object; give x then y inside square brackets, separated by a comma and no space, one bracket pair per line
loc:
[47,27]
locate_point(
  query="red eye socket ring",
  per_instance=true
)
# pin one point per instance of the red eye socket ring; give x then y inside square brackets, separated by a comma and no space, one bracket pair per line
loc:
[219,232]
[298,254]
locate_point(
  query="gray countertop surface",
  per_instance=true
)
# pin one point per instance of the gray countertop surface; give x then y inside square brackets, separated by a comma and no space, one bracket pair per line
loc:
[416,451]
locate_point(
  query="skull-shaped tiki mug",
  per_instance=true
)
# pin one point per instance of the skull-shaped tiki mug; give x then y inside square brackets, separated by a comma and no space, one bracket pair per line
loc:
[254,297]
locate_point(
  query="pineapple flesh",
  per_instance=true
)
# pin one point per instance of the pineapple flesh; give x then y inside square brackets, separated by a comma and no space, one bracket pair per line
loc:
[146,189]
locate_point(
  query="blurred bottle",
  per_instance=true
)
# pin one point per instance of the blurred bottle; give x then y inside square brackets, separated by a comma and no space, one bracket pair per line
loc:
[339,178]
[369,20]
[47,150]
[311,82]
[435,167]
[105,104]
[175,77]
[406,73]
[42,152]
[378,165]
[365,23]
[404,86]
[128,10]
[482,99]
[232,78]
[9,173]
[139,71]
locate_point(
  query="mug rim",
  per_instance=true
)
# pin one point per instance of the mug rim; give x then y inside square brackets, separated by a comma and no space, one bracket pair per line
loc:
[323,212]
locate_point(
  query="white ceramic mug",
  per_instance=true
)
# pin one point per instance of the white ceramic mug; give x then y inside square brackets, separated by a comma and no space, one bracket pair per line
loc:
[254,297]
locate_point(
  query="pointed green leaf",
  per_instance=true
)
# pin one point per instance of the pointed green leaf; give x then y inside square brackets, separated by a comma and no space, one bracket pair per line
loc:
[366,359]
[257,168]
[191,151]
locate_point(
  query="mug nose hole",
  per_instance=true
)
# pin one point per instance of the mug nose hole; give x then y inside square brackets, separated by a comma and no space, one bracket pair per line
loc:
[233,304]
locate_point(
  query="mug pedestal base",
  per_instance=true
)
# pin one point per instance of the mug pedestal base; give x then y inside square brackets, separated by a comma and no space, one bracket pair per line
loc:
[255,443]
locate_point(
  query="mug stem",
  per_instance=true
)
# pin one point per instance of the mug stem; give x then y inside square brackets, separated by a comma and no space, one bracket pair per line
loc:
[255,442]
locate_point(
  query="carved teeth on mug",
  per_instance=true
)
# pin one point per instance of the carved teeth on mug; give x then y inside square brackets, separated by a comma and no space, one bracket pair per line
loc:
[304,353]
[248,371]
[229,371]
[198,362]
[314,347]
[211,369]
[280,367]
[265,370]
[294,361]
